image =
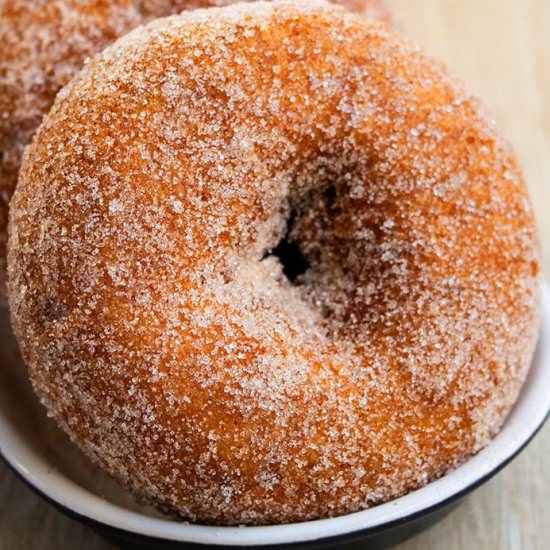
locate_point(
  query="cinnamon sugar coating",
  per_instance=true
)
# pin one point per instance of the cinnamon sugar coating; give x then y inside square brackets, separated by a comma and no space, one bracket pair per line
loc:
[43,43]
[162,334]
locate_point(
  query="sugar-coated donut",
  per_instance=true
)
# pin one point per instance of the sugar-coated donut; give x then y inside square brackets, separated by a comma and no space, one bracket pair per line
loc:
[159,327]
[43,43]
[376,9]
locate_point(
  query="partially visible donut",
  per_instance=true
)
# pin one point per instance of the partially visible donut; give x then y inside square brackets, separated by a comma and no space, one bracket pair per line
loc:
[43,43]
[376,9]
[161,331]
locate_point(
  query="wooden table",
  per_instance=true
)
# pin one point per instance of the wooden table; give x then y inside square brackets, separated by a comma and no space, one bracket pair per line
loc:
[501,48]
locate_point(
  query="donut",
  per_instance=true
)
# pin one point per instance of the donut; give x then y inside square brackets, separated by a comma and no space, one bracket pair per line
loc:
[43,44]
[376,9]
[270,263]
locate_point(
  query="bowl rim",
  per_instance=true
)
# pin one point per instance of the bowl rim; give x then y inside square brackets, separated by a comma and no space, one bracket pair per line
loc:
[527,417]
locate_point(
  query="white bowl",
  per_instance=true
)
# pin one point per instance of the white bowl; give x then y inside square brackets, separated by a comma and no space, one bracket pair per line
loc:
[42,456]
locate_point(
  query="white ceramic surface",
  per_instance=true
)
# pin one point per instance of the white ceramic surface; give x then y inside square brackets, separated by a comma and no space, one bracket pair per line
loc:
[45,458]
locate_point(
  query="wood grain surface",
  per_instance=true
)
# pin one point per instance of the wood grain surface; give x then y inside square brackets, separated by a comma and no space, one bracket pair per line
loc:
[501,48]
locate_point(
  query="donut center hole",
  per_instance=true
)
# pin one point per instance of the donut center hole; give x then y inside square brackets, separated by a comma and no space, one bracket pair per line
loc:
[293,261]
[289,254]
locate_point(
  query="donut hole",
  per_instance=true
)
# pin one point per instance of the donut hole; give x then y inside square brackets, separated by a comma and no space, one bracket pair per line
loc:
[293,261]
[296,251]
[288,253]
[330,193]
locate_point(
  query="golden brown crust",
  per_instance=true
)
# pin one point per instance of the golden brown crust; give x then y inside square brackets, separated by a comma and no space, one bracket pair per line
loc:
[164,338]
[44,43]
